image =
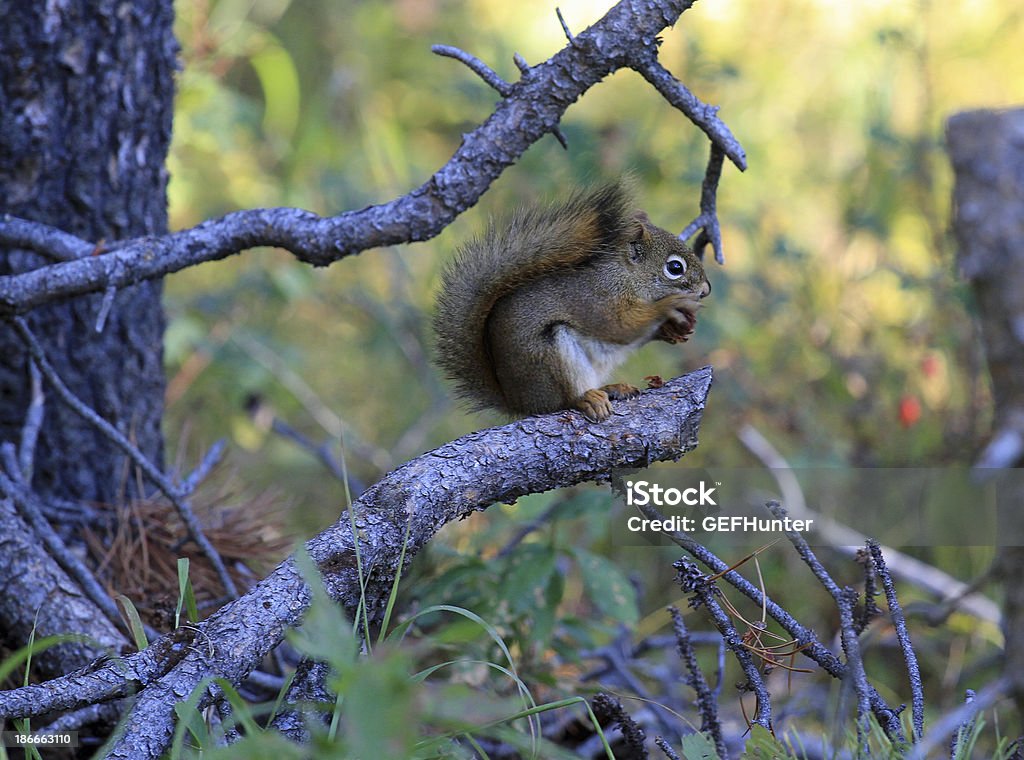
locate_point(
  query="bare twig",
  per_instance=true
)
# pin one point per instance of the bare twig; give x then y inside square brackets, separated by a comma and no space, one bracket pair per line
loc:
[618,658]
[806,553]
[188,517]
[608,709]
[540,521]
[844,539]
[805,638]
[47,241]
[321,451]
[870,611]
[707,705]
[723,144]
[478,67]
[707,221]
[68,513]
[692,580]
[491,77]
[565,27]
[845,601]
[665,747]
[704,116]
[611,662]
[560,136]
[333,424]
[106,713]
[900,624]
[266,682]
[108,301]
[203,469]
[101,681]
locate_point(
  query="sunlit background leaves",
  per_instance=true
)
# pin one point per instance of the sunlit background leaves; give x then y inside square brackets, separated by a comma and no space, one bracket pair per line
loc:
[840,281]
[838,327]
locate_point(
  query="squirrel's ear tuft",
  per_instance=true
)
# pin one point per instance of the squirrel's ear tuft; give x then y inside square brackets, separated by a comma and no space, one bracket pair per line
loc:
[637,227]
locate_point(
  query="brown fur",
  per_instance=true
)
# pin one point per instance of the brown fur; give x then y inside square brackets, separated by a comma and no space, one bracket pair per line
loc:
[533,311]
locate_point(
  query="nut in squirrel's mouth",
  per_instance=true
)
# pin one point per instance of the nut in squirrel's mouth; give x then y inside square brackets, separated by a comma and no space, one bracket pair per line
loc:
[677,331]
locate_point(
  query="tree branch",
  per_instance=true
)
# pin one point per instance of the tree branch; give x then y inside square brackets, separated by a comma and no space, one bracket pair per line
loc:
[477,66]
[704,116]
[707,220]
[47,241]
[627,36]
[57,606]
[25,501]
[855,673]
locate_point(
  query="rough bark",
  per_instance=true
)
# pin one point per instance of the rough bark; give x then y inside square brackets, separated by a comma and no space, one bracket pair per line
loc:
[30,581]
[86,98]
[987,150]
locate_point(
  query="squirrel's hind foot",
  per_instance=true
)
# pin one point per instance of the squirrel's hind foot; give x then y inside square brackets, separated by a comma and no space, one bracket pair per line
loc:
[595,405]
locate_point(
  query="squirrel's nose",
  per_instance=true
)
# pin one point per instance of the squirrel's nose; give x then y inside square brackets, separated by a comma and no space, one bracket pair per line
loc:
[706,290]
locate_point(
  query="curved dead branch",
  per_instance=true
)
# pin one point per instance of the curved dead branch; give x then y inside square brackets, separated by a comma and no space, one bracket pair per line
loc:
[626,37]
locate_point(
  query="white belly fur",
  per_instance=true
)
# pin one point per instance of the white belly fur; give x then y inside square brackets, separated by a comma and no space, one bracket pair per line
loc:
[590,360]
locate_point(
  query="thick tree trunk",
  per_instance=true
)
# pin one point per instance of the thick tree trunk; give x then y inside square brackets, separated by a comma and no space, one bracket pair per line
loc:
[86,99]
[987,150]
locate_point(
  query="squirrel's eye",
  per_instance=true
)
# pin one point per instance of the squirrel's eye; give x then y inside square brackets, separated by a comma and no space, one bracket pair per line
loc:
[675,267]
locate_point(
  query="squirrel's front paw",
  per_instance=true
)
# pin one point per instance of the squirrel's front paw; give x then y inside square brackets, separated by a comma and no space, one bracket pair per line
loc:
[676,331]
[682,320]
[595,405]
[618,391]
[684,316]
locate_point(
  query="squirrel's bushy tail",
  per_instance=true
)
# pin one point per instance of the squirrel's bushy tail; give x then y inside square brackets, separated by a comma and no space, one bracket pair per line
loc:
[533,242]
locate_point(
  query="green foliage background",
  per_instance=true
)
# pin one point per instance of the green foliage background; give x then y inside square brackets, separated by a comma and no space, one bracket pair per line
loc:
[838,326]
[839,297]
